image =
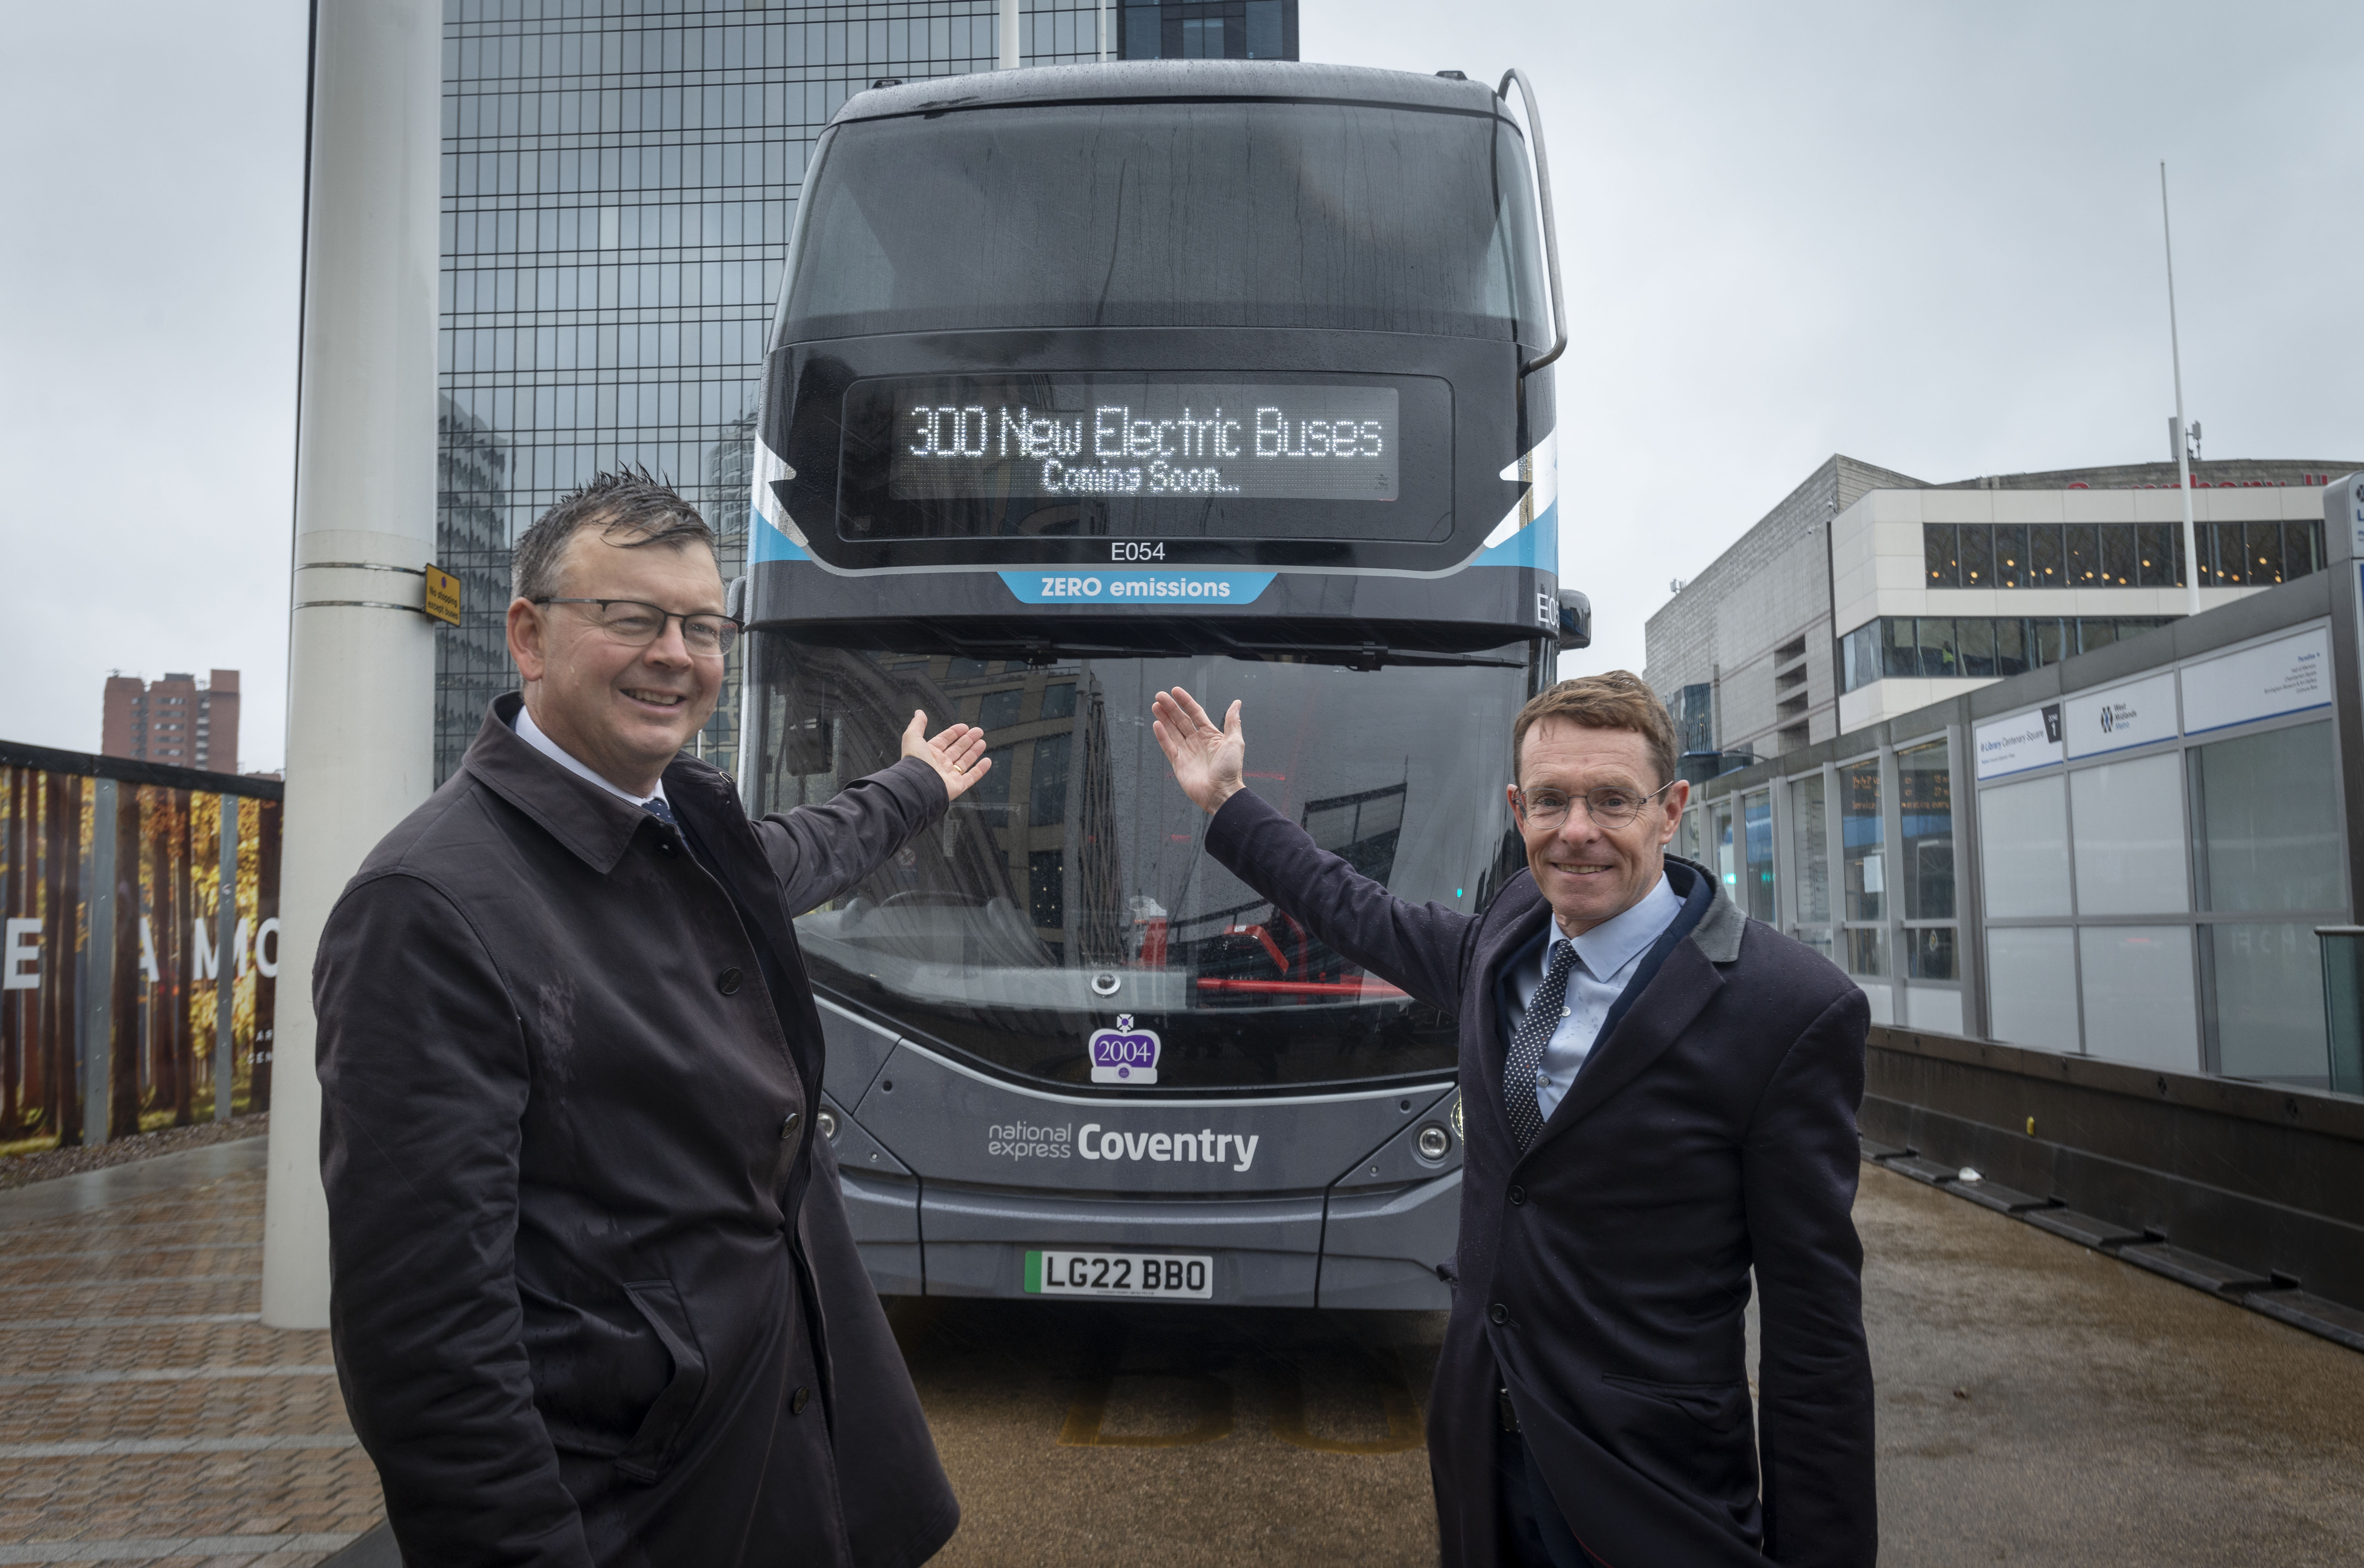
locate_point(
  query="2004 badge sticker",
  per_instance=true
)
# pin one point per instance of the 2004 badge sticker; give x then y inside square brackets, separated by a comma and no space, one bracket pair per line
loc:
[1124,1054]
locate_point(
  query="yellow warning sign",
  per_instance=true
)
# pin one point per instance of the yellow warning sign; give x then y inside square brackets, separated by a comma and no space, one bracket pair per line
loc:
[442,596]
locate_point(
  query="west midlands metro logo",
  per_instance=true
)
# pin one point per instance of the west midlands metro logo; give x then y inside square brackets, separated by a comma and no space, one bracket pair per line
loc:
[1124,1054]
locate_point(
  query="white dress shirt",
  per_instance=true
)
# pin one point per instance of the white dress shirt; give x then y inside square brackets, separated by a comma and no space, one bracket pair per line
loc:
[1605,957]
[531,734]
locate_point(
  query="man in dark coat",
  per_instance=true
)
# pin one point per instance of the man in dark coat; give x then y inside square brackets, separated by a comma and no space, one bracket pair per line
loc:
[1659,1098]
[594,1298]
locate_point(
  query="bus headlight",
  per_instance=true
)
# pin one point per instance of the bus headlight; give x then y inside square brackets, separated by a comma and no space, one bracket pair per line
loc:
[1433,1142]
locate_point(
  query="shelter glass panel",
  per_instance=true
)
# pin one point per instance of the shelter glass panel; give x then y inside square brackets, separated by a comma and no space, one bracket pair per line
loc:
[1810,839]
[1926,792]
[2032,985]
[1860,838]
[1756,854]
[2139,996]
[2130,839]
[2268,809]
[2023,848]
[2269,995]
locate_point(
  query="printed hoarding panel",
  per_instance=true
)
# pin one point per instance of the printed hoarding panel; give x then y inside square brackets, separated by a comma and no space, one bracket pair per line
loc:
[191,928]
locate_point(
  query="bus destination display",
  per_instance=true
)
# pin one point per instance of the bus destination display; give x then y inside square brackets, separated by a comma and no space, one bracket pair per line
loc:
[1088,437]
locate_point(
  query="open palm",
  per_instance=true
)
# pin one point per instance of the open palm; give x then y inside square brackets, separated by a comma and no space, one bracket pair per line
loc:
[1207,761]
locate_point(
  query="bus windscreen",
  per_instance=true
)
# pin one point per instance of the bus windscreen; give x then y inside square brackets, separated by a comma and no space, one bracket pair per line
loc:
[1070,885]
[1162,213]
[1087,436]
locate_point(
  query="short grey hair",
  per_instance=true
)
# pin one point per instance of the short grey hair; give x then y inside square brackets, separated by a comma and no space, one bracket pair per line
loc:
[630,507]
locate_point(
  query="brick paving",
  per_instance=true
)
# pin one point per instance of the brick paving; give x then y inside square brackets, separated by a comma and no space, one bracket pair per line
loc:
[146,1414]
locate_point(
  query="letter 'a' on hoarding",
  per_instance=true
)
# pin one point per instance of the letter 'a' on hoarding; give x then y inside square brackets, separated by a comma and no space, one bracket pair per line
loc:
[442,596]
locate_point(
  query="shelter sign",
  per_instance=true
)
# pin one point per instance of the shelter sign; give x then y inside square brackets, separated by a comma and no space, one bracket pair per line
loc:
[2290,674]
[2136,714]
[2024,741]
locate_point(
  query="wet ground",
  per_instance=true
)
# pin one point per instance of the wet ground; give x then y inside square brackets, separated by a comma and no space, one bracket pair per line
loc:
[2038,1402]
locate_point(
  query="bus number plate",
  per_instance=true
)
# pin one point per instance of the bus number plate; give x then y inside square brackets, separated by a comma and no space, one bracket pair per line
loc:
[1119,1273]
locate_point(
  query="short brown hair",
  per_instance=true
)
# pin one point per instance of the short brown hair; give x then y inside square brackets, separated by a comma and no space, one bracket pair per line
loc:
[630,507]
[1618,700]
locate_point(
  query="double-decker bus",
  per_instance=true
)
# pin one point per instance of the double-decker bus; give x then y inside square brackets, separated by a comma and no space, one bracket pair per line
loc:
[1088,382]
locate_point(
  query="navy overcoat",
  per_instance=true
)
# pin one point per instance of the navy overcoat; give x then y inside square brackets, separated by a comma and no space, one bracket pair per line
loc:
[1604,1272]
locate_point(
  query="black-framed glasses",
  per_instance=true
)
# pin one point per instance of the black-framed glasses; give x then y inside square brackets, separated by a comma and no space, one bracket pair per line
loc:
[1609,807]
[637,625]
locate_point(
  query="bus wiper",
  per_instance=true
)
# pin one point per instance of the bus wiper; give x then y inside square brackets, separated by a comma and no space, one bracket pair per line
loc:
[1367,655]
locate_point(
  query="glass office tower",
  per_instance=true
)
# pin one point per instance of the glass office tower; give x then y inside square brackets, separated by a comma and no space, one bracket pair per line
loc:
[618,181]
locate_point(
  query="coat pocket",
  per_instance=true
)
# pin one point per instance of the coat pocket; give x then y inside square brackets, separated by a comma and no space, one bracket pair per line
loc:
[1719,1407]
[652,1447]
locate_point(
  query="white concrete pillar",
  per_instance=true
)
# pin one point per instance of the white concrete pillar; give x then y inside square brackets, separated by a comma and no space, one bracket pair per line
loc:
[361,658]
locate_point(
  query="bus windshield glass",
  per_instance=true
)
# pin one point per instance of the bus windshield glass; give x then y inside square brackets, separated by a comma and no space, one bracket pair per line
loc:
[1157,213]
[1070,889]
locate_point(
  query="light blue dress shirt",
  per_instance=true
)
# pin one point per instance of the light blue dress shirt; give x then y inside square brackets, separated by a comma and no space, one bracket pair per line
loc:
[1605,957]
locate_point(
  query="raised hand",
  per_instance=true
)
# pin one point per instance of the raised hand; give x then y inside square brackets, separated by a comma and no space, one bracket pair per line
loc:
[957,755]
[1207,761]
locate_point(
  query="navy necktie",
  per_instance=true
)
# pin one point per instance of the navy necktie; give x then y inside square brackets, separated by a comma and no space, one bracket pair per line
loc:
[659,808]
[1523,1070]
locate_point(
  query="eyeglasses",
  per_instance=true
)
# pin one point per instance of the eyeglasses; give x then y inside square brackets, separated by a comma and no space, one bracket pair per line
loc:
[637,625]
[1608,806]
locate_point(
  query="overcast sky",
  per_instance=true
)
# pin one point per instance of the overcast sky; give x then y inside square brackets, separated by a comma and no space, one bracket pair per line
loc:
[1927,237]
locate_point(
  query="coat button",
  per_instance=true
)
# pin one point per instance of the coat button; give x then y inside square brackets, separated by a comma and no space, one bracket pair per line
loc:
[798,1400]
[728,983]
[788,1127]
[1499,1313]
[1518,1196]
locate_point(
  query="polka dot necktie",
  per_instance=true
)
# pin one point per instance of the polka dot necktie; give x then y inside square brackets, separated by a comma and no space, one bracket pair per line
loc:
[659,808]
[1525,1070]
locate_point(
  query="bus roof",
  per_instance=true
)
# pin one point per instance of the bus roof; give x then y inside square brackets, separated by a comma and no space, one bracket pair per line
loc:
[1290,81]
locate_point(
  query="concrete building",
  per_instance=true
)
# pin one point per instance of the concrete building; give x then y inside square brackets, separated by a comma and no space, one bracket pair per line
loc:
[173,720]
[1867,593]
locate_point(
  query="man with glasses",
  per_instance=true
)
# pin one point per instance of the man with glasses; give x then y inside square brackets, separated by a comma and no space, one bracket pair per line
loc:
[1660,1099]
[594,1298]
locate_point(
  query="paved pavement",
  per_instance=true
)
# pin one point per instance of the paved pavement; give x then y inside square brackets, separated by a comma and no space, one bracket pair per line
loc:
[146,1415]
[2039,1404]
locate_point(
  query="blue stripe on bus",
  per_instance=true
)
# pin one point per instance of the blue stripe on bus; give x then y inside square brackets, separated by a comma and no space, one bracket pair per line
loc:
[766,542]
[1537,545]
[1148,590]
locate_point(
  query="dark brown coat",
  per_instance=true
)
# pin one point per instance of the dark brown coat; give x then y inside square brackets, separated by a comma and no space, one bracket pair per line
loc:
[595,1296]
